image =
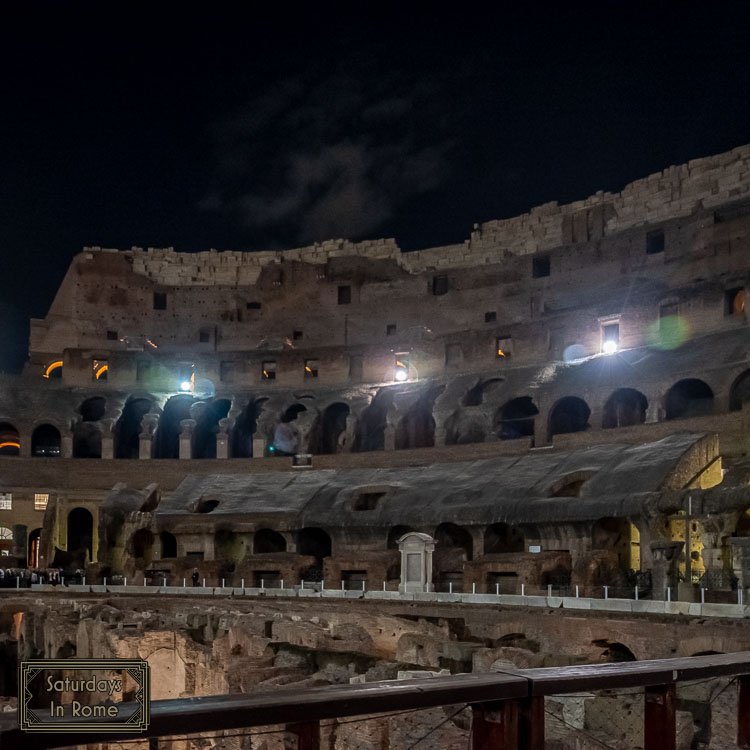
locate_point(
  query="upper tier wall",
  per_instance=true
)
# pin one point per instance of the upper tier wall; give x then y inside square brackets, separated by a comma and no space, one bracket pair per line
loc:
[674,192]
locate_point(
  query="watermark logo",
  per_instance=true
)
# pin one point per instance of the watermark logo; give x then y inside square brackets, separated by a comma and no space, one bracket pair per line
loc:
[79,695]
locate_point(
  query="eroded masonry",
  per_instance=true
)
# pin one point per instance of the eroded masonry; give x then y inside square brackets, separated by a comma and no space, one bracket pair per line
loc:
[560,400]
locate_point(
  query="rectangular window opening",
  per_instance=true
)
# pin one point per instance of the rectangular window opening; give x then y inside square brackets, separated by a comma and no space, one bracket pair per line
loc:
[160,301]
[204,335]
[40,500]
[439,285]
[112,336]
[6,501]
[390,329]
[655,242]
[734,301]
[490,317]
[253,306]
[296,335]
[540,267]
[311,368]
[268,370]
[99,369]
[345,295]
[504,347]
[610,337]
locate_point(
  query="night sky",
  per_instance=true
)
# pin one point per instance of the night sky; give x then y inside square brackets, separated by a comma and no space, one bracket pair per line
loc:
[153,125]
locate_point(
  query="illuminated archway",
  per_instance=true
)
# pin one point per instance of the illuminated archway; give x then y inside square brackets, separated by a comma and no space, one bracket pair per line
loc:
[53,370]
[10,441]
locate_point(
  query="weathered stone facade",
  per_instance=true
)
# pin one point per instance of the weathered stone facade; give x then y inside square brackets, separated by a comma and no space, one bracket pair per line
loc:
[548,347]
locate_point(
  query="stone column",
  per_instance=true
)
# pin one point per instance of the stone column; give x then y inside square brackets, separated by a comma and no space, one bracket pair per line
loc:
[665,556]
[146,436]
[541,421]
[259,447]
[25,440]
[222,439]
[186,438]
[652,412]
[108,438]
[346,438]
[416,562]
[66,444]
[741,560]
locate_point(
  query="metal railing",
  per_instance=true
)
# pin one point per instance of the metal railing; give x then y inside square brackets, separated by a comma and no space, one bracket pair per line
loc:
[507,708]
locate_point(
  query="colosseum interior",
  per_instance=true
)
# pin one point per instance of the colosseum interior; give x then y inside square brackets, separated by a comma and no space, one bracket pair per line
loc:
[226,455]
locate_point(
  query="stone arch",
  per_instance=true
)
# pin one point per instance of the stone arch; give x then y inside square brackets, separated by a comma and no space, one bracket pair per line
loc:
[624,408]
[286,436]
[46,441]
[571,484]
[373,421]
[34,546]
[128,427]
[168,545]
[87,434]
[416,429]
[328,427]
[500,538]
[167,439]
[207,427]
[142,546]
[451,536]
[474,396]
[268,541]
[10,440]
[245,427]
[614,651]
[569,414]
[739,393]
[229,546]
[515,419]
[80,531]
[690,397]
[395,533]
[314,542]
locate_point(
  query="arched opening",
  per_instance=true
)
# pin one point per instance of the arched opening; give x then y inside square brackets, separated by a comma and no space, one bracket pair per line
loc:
[245,426]
[570,485]
[34,548]
[448,536]
[329,426]
[207,427]
[688,398]
[613,534]
[46,441]
[168,545]
[417,428]
[229,547]
[372,423]
[739,394]
[268,541]
[286,436]
[464,427]
[53,370]
[614,651]
[743,524]
[624,408]
[475,395]
[142,546]
[569,414]
[557,577]
[87,435]
[314,542]
[395,534]
[10,440]
[516,419]
[128,427]
[167,437]
[6,541]
[80,531]
[93,409]
[501,538]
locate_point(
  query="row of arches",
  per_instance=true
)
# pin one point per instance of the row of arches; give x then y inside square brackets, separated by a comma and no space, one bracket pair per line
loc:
[515,419]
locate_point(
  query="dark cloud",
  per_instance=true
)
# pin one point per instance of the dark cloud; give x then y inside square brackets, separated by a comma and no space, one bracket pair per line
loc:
[313,160]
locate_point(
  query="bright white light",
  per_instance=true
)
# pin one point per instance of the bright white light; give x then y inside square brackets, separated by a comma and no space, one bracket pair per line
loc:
[609,347]
[185,386]
[400,374]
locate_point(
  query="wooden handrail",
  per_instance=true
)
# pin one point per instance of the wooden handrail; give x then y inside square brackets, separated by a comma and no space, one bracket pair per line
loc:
[508,704]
